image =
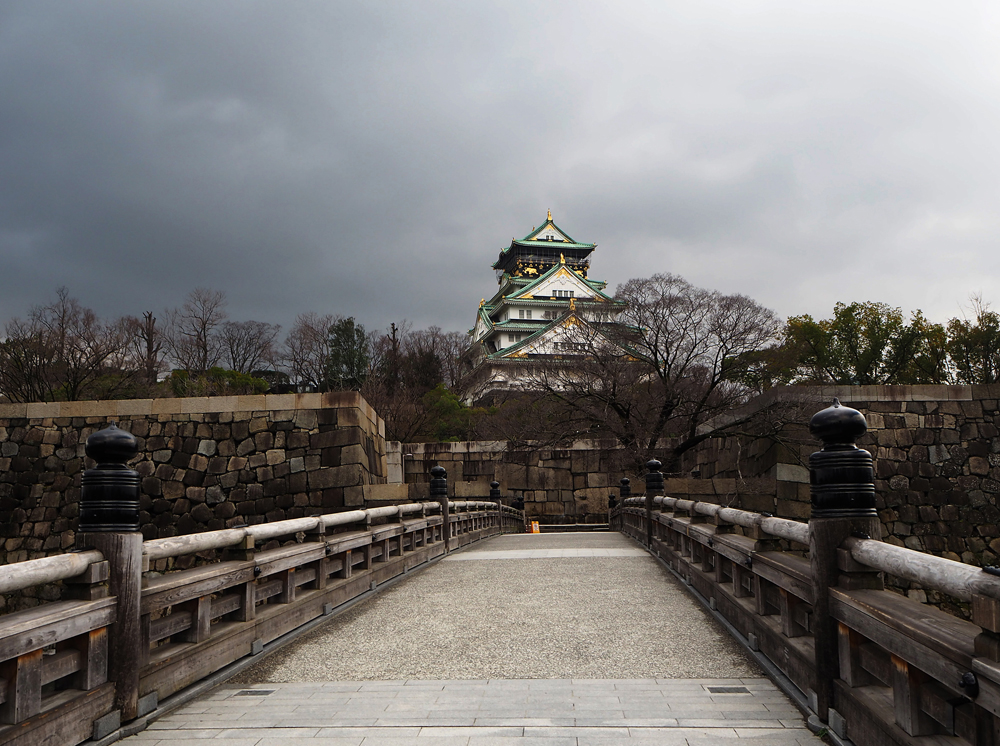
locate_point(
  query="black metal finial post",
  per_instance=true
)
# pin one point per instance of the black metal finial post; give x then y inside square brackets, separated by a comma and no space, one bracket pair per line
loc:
[495,491]
[109,493]
[109,522]
[612,501]
[439,492]
[519,502]
[654,487]
[843,502]
[624,488]
[841,475]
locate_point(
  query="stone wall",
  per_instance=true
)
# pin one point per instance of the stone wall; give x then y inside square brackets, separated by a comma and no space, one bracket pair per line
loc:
[559,485]
[937,463]
[205,463]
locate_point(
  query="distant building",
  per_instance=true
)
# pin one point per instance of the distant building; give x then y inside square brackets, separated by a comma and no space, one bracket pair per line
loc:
[547,312]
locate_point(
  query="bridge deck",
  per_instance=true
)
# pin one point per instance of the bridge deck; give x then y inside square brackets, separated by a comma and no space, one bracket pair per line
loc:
[522,640]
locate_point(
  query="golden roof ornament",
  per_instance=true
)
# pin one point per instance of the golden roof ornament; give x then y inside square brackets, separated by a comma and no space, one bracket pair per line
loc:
[562,258]
[550,216]
[572,304]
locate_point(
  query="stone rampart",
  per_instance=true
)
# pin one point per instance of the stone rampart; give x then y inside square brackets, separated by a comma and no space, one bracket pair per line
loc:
[205,463]
[937,462]
[559,485]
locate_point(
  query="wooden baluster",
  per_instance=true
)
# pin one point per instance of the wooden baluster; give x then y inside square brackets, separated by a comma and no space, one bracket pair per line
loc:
[93,647]
[906,684]
[851,670]
[287,578]
[23,676]
[201,619]
[720,569]
[346,566]
[318,534]
[761,588]
[790,627]
[248,602]
[740,576]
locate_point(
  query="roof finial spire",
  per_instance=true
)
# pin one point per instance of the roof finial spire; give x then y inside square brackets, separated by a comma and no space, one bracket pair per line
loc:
[550,214]
[562,258]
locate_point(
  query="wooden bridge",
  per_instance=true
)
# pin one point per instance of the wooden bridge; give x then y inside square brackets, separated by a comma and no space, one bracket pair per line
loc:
[128,646]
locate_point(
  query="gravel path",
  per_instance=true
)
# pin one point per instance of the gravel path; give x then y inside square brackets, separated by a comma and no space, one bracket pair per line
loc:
[530,614]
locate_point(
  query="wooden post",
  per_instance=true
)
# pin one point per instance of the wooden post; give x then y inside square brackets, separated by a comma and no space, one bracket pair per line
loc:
[123,551]
[843,504]
[654,487]
[109,522]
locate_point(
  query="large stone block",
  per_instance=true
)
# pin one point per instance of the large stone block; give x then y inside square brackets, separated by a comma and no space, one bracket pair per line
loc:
[337,476]
[351,418]
[672,486]
[335,438]
[697,488]
[725,486]
[791,473]
[383,492]
[354,454]
[757,503]
[597,480]
[512,476]
[479,489]
[354,497]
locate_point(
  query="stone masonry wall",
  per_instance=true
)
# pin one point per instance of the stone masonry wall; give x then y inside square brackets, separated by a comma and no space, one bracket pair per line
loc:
[559,485]
[205,463]
[937,464]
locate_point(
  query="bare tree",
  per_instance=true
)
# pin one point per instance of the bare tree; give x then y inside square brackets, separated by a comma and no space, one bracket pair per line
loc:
[145,342]
[307,349]
[63,351]
[192,334]
[249,345]
[448,348]
[676,357]
[27,364]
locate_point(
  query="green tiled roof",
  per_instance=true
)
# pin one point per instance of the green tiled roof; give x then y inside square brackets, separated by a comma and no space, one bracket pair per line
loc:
[552,271]
[521,325]
[542,227]
[501,353]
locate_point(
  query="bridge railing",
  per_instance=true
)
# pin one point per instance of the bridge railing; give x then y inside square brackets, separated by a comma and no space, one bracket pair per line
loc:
[875,666]
[57,682]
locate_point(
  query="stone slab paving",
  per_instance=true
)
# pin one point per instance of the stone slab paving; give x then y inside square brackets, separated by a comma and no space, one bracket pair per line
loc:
[525,712]
[547,640]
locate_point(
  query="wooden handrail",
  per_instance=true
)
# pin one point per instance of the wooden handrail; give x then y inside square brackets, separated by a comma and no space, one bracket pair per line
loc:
[937,573]
[176,546]
[780,527]
[21,575]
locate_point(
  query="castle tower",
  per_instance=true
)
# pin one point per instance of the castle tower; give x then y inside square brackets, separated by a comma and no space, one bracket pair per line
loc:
[545,311]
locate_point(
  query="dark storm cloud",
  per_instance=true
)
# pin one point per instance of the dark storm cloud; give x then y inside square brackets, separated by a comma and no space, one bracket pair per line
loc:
[371,159]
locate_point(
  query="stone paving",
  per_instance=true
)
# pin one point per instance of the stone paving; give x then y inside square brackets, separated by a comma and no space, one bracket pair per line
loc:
[546,640]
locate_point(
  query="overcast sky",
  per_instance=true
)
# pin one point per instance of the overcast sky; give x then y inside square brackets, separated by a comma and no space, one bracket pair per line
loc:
[371,159]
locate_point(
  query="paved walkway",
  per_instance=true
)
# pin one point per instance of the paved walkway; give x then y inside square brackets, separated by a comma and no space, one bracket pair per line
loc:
[527,640]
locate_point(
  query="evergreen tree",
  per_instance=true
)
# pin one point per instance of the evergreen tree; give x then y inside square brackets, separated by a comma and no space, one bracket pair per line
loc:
[347,363]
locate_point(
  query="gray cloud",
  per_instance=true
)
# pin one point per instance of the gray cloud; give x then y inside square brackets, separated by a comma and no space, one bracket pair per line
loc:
[371,159]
